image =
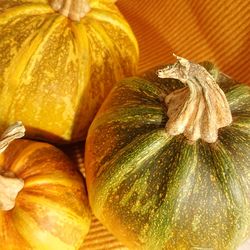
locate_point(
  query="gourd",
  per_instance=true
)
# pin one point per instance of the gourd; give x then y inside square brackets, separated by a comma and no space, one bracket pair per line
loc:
[168,160]
[43,203]
[58,61]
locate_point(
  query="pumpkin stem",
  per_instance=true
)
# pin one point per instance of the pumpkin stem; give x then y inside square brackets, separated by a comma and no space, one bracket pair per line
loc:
[10,186]
[13,132]
[73,9]
[200,108]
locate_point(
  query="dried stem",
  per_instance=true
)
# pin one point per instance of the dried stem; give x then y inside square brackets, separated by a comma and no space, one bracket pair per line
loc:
[199,109]
[13,132]
[10,186]
[73,9]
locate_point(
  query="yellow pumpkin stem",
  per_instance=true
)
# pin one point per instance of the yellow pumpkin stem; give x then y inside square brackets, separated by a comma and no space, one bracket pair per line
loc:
[73,9]
[10,186]
[199,109]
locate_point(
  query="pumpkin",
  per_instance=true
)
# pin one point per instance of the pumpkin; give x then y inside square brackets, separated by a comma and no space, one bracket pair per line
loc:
[43,203]
[168,159]
[58,61]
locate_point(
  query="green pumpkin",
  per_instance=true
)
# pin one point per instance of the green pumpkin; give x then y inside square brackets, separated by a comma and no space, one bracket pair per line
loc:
[157,184]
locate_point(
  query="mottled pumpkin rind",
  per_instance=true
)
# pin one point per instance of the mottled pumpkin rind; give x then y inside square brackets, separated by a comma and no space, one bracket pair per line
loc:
[51,211]
[154,191]
[54,72]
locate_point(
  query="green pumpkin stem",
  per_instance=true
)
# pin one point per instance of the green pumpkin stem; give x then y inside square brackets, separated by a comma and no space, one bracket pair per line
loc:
[200,108]
[73,9]
[10,186]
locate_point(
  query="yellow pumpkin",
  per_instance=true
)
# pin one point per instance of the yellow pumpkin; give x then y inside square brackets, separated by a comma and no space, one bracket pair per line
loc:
[43,203]
[58,61]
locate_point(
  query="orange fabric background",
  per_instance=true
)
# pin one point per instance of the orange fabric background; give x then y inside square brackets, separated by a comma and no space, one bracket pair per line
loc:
[199,30]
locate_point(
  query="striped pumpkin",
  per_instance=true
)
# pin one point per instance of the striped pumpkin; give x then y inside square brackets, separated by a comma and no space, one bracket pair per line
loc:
[50,209]
[56,69]
[151,181]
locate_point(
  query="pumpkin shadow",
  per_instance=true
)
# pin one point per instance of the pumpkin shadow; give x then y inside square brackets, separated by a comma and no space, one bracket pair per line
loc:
[43,136]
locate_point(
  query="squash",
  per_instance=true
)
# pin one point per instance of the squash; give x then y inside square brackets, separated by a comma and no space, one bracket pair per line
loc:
[43,203]
[57,64]
[168,160]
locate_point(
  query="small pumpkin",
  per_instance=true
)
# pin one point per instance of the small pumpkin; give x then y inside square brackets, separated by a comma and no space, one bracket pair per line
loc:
[58,61]
[43,203]
[168,160]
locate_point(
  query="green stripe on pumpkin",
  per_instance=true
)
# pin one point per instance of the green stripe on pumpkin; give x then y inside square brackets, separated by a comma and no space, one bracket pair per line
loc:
[126,162]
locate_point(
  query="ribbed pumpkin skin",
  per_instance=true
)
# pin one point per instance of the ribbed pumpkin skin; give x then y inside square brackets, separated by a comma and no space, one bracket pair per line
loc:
[51,211]
[54,72]
[154,191]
